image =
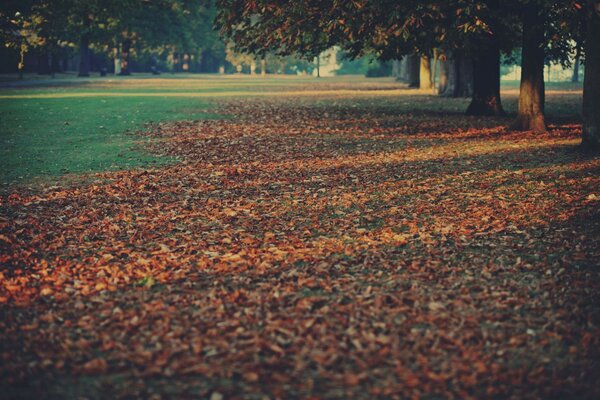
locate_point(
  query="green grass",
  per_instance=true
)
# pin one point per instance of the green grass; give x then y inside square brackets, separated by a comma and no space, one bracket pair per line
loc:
[50,137]
[52,127]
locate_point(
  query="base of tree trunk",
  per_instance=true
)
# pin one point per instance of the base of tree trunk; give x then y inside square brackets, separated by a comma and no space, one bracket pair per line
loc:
[591,139]
[488,107]
[83,74]
[534,123]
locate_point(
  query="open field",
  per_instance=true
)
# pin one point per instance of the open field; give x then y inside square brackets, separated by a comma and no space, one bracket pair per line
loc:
[294,238]
[67,125]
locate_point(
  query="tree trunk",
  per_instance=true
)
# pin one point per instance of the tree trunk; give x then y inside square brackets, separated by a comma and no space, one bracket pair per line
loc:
[263,67]
[396,69]
[117,59]
[84,48]
[434,69]
[443,82]
[185,65]
[531,97]
[401,70]
[575,77]
[21,65]
[425,73]
[43,63]
[125,50]
[319,66]
[413,63]
[460,76]
[452,70]
[65,61]
[486,81]
[52,64]
[55,62]
[465,77]
[591,81]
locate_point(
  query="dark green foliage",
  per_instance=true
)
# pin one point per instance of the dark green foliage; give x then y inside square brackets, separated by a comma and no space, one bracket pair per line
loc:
[158,29]
[379,69]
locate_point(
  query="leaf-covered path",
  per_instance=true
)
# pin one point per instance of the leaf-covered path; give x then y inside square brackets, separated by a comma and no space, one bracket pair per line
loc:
[315,246]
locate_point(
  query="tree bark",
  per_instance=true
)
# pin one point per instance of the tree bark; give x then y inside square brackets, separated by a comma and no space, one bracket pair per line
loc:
[460,76]
[125,50]
[403,77]
[21,65]
[591,81]
[396,69]
[452,77]
[443,83]
[425,81]
[465,77]
[486,81]
[434,69]
[575,77]
[319,66]
[84,47]
[117,59]
[530,116]
[412,70]
[263,67]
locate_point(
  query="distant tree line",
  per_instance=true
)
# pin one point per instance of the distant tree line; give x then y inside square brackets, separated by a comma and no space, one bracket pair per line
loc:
[123,36]
[118,36]
[464,39]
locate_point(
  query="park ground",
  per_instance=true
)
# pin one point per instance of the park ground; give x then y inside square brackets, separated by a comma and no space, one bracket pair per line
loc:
[230,237]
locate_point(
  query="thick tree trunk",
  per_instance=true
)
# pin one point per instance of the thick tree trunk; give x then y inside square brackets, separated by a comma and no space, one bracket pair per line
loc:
[263,67]
[486,81]
[84,47]
[412,71]
[531,97]
[125,50]
[465,77]
[425,81]
[460,77]
[591,81]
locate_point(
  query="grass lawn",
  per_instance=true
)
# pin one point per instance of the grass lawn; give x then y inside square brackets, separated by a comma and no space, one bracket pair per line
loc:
[49,137]
[52,127]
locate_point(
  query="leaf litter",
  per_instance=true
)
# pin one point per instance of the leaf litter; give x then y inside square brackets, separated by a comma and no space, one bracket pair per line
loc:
[321,247]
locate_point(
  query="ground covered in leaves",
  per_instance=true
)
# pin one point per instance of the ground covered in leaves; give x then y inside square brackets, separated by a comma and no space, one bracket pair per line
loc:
[326,246]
